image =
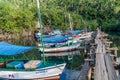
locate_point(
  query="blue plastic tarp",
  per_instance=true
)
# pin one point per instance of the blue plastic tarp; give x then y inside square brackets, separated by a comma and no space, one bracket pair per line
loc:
[56,39]
[11,49]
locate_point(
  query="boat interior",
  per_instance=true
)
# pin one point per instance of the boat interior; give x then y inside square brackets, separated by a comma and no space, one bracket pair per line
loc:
[23,64]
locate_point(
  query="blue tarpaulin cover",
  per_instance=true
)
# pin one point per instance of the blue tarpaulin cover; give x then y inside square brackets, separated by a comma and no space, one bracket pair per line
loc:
[56,39]
[11,49]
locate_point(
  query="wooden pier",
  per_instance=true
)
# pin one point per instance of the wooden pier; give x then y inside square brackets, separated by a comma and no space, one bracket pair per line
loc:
[104,69]
[101,60]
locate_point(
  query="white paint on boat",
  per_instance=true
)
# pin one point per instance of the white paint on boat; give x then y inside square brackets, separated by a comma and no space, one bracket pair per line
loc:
[38,73]
[60,49]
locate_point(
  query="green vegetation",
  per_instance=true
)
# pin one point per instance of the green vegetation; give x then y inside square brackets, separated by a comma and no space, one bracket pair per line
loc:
[16,15]
[14,18]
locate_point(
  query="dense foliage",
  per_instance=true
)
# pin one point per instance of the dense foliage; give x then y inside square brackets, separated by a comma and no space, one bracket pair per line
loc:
[16,15]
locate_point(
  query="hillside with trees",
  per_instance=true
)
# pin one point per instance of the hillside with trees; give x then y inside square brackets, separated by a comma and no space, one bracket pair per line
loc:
[16,15]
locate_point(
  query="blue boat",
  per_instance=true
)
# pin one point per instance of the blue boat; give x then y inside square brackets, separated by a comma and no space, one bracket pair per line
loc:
[55,37]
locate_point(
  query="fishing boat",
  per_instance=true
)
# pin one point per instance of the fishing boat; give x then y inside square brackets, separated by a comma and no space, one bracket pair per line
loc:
[68,46]
[24,69]
[83,36]
[52,38]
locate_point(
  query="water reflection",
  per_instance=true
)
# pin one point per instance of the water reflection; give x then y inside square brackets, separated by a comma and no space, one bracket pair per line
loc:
[74,59]
[69,53]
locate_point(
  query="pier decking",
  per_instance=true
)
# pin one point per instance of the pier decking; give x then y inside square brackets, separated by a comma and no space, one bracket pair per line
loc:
[104,69]
[101,61]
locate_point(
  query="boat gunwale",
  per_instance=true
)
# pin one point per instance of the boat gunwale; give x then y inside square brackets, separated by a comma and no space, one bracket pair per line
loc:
[74,44]
[32,69]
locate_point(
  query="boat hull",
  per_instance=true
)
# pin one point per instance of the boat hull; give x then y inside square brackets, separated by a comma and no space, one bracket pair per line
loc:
[61,49]
[50,78]
[38,73]
[83,36]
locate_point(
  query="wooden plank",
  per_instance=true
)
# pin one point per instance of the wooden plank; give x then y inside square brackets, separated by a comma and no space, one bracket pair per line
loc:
[110,68]
[89,59]
[114,48]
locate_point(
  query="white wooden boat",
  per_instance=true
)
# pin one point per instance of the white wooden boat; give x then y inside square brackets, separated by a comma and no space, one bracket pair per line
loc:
[45,72]
[61,48]
[83,36]
[25,69]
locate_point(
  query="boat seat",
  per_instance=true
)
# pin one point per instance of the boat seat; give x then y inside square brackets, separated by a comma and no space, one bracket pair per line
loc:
[32,64]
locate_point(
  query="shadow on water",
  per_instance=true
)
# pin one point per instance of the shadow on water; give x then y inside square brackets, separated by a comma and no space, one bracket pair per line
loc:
[73,67]
[69,75]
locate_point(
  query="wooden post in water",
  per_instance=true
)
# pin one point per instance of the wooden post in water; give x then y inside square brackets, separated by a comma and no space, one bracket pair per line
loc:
[89,73]
[115,52]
